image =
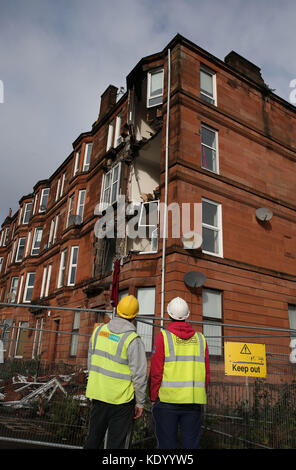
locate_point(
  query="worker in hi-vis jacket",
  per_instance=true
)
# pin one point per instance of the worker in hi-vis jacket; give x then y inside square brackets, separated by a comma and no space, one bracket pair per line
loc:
[179,378]
[117,378]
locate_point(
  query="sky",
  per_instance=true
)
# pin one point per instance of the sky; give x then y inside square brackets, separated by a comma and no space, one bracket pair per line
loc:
[58,56]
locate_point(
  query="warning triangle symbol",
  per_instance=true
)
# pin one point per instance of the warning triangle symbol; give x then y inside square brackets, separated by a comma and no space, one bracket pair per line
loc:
[245,350]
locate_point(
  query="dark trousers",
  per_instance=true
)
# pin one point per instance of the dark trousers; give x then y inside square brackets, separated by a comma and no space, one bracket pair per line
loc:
[170,417]
[118,419]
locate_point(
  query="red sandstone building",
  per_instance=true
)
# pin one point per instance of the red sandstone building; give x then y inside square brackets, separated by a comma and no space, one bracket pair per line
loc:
[190,128]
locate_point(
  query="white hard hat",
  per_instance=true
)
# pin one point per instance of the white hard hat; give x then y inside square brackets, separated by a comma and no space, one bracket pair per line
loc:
[178,309]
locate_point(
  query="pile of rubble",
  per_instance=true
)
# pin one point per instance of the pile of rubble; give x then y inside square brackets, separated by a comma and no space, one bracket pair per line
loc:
[21,390]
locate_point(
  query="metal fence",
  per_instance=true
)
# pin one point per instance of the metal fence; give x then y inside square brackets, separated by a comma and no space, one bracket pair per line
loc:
[43,402]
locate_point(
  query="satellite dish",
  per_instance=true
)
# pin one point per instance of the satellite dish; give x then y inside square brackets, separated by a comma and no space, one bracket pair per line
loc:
[263,214]
[194,279]
[192,240]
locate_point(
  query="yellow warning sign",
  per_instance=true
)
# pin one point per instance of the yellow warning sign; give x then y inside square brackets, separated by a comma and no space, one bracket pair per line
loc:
[245,359]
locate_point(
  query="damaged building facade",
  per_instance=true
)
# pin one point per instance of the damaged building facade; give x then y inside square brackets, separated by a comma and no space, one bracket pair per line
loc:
[189,129]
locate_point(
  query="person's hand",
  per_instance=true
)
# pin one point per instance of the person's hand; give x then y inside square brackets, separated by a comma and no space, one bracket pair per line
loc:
[138,412]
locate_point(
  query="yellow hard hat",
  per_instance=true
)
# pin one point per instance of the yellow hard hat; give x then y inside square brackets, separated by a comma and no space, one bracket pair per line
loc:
[128,307]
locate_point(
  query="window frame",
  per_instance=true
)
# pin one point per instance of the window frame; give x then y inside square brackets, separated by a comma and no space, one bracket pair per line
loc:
[29,286]
[87,155]
[150,73]
[80,205]
[33,248]
[148,342]
[62,268]
[216,150]
[72,266]
[17,260]
[27,213]
[77,162]
[46,197]
[218,229]
[204,96]
[75,334]
[215,321]
[112,182]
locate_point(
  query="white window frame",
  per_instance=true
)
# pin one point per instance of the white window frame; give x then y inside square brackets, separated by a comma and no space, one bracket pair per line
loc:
[43,207]
[29,286]
[62,268]
[1,263]
[143,329]
[87,155]
[63,184]
[213,149]
[72,265]
[160,95]
[117,136]
[24,325]
[58,189]
[20,289]
[27,213]
[51,231]
[110,135]
[13,288]
[37,338]
[35,202]
[75,334]
[17,259]
[70,208]
[35,241]
[217,229]
[154,234]
[45,281]
[28,243]
[77,162]
[215,345]
[204,95]
[56,224]
[6,236]
[109,202]
[80,203]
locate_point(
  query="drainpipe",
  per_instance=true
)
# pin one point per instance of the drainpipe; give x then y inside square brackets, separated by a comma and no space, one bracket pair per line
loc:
[165,212]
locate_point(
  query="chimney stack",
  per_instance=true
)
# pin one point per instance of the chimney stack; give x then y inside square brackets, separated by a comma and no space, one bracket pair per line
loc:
[108,100]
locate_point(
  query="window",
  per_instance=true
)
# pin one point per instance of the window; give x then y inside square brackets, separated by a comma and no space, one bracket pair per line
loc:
[154,88]
[36,351]
[45,281]
[21,339]
[44,200]
[292,319]
[58,189]
[110,187]
[37,241]
[13,289]
[73,266]
[63,184]
[62,269]
[27,213]
[77,162]
[35,203]
[212,311]
[209,149]
[28,243]
[114,137]
[53,230]
[70,210]
[87,154]
[75,337]
[20,289]
[6,236]
[80,205]
[208,85]
[20,249]
[149,221]
[1,263]
[211,227]
[146,298]
[29,287]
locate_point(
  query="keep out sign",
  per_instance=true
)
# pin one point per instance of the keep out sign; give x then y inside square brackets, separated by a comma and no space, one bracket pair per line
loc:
[245,359]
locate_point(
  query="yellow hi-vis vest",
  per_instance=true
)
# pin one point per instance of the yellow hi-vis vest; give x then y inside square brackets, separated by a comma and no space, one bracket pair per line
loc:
[110,377]
[184,370]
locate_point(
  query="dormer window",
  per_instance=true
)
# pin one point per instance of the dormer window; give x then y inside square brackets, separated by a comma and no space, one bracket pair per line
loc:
[154,88]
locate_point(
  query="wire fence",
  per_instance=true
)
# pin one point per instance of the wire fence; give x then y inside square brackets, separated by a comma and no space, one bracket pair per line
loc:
[43,401]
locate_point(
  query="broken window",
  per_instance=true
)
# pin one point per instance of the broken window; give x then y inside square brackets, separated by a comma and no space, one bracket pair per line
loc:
[149,222]
[21,339]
